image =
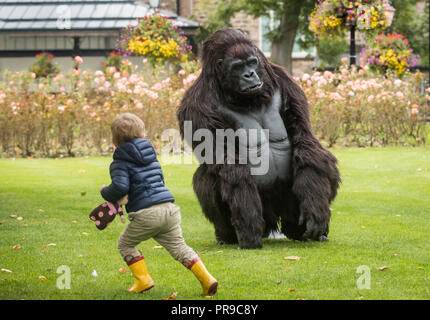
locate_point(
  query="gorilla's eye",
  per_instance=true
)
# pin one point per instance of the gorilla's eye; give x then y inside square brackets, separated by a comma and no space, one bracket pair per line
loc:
[236,66]
[252,61]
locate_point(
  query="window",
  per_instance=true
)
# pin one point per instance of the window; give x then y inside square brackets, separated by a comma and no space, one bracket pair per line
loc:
[268,23]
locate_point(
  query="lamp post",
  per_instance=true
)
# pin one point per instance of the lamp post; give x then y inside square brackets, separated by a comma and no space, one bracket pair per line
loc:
[389,15]
[352,57]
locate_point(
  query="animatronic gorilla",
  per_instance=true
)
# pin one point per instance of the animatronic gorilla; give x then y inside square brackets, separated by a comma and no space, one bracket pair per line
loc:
[239,88]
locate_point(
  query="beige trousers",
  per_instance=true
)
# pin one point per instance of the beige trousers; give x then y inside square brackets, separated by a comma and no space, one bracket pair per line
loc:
[160,222]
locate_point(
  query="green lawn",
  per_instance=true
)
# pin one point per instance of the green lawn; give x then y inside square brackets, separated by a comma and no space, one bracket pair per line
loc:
[381,217]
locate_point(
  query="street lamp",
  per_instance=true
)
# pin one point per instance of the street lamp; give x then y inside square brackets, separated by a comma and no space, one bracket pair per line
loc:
[388,11]
[153,6]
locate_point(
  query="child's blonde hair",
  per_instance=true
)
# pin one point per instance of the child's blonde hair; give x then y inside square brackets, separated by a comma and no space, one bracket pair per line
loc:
[126,127]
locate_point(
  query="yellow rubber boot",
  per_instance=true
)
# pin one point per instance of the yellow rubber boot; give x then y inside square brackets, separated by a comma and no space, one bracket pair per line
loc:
[142,280]
[209,283]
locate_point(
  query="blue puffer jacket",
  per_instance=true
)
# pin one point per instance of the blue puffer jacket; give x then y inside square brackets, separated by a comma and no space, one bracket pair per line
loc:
[136,171]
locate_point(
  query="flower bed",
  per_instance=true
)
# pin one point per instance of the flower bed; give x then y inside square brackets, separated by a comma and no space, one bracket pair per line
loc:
[358,108]
[71,114]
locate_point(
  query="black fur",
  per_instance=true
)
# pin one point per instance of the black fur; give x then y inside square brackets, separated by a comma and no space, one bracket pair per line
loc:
[230,199]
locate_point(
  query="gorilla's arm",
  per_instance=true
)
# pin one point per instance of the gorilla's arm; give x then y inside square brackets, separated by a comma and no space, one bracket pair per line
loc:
[315,174]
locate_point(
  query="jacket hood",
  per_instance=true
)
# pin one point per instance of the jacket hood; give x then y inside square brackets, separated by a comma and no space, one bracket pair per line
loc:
[139,151]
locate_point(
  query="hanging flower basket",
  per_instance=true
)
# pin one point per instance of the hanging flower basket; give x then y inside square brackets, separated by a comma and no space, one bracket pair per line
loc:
[333,17]
[157,39]
[390,52]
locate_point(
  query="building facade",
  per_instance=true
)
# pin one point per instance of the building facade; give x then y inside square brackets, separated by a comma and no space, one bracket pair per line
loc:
[87,28]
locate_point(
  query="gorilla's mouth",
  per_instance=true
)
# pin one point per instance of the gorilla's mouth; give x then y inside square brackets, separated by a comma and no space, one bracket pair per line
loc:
[253,88]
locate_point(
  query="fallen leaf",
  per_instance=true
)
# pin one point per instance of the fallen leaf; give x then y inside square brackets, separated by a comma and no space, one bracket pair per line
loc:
[398,215]
[41,210]
[363,227]
[278,282]
[157,247]
[74,221]
[49,245]
[420,267]
[85,233]
[12,215]
[208,297]
[19,218]
[17,246]
[5,270]
[395,254]
[43,278]
[383,268]
[286,266]
[219,251]
[292,290]
[300,299]
[172,296]
[292,258]
[122,270]
[82,171]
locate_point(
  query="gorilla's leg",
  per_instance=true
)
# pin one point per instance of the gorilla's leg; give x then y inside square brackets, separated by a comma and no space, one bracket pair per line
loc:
[206,188]
[239,192]
[270,215]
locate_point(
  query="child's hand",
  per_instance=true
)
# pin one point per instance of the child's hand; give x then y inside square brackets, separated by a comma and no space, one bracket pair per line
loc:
[123,201]
[102,187]
[122,218]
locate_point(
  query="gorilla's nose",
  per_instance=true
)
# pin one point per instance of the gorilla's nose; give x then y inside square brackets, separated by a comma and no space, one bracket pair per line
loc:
[249,75]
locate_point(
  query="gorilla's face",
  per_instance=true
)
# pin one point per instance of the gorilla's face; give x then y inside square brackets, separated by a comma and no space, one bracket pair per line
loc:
[241,73]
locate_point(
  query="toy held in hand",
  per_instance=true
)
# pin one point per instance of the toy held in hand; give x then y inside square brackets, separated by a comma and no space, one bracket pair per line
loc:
[105,213]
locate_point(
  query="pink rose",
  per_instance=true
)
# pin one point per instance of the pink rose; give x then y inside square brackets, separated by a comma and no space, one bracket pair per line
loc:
[400,95]
[78,60]
[157,87]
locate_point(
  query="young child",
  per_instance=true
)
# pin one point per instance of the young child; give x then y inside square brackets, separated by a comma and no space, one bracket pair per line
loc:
[136,172]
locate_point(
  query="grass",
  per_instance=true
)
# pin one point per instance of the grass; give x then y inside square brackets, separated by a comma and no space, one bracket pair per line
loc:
[381,217]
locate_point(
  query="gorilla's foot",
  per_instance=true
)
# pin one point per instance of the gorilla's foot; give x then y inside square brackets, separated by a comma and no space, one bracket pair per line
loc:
[253,244]
[223,242]
[323,238]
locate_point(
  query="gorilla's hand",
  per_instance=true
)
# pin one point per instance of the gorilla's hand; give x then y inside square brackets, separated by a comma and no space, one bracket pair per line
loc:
[316,230]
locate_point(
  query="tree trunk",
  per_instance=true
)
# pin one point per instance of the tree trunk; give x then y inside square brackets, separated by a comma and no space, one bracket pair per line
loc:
[282,48]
